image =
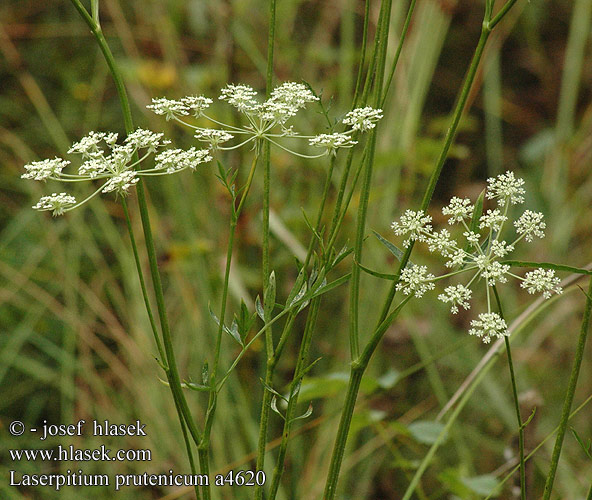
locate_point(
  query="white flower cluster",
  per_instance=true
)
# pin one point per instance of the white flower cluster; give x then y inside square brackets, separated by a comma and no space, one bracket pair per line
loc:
[114,165]
[480,253]
[57,203]
[266,120]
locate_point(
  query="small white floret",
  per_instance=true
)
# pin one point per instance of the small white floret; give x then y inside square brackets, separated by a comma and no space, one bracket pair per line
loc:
[506,187]
[44,169]
[530,224]
[57,203]
[489,325]
[415,280]
[542,280]
[458,295]
[363,119]
[458,209]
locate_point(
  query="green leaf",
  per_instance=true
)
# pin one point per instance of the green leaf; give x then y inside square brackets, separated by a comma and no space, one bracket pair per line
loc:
[196,387]
[272,390]
[546,265]
[343,253]
[586,447]
[376,274]
[233,332]
[425,431]
[244,320]
[327,287]
[298,290]
[397,252]
[275,408]
[306,414]
[259,308]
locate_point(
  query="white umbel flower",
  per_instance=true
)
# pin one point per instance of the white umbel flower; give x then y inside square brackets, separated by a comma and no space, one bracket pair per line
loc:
[44,169]
[457,258]
[489,325]
[457,295]
[530,224]
[94,167]
[239,96]
[506,187]
[89,146]
[542,280]
[492,219]
[495,272]
[174,160]
[415,280]
[168,107]
[458,209]
[442,243]
[213,136]
[415,224]
[332,142]
[145,139]
[197,104]
[293,94]
[57,203]
[121,182]
[500,248]
[363,119]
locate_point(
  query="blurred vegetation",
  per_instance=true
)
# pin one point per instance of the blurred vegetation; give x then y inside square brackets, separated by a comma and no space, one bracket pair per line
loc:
[74,337]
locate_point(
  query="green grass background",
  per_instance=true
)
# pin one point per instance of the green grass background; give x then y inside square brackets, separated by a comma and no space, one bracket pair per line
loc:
[74,337]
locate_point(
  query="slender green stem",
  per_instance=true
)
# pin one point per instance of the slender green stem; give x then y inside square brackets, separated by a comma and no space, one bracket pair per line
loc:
[303,357]
[571,389]
[380,56]
[232,233]
[500,15]
[187,442]
[343,429]
[293,398]
[172,370]
[204,445]
[516,403]
[363,54]
[142,281]
[269,349]
[358,368]
[398,52]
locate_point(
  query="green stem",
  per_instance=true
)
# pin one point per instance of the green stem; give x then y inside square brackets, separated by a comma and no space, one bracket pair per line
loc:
[516,403]
[343,429]
[172,370]
[304,347]
[398,52]
[142,281]
[358,367]
[204,444]
[266,400]
[293,399]
[380,57]
[571,389]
